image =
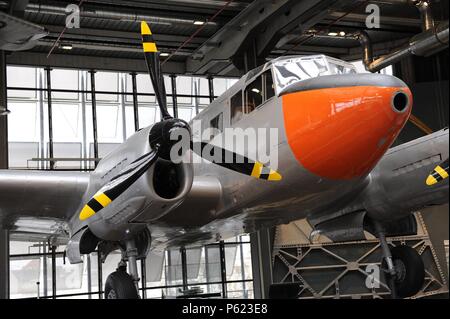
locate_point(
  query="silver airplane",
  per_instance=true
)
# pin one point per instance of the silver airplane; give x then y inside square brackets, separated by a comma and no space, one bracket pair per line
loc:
[336,168]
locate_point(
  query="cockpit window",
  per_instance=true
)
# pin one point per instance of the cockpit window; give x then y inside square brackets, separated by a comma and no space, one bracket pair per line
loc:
[290,71]
[259,91]
[254,95]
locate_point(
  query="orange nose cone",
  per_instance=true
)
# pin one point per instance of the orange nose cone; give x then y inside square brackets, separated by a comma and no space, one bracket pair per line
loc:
[341,133]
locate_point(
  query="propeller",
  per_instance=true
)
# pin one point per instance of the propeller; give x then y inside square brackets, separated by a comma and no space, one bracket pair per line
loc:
[439,174]
[161,144]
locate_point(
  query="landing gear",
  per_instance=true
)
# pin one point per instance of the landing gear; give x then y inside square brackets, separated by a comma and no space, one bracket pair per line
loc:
[409,272]
[404,269]
[120,284]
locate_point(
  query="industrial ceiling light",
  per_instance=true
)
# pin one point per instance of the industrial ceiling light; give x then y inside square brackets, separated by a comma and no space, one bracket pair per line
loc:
[163,54]
[332,34]
[198,22]
[66,46]
[342,33]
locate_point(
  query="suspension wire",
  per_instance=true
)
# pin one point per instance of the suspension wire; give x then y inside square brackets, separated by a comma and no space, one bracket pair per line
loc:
[211,19]
[61,34]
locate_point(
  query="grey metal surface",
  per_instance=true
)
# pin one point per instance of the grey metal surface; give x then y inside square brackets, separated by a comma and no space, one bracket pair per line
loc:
[54,195]
[17,34]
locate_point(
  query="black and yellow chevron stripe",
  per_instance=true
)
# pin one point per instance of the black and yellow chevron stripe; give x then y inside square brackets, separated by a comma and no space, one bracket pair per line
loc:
[439,174]
[99,201]
[262,172]
[119,184]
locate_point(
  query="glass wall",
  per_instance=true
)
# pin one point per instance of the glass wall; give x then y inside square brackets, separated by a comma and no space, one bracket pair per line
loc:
[51,126]
[38,271]
[58,133]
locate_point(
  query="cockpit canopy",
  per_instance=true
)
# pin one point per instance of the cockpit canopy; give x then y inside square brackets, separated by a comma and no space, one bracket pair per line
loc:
[288,71]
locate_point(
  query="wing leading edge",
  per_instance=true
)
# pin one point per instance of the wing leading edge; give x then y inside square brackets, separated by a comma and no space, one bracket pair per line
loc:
[40,201]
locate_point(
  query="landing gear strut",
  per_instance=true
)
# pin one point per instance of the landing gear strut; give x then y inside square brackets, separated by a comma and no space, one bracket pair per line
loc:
[403,267]
[120,284]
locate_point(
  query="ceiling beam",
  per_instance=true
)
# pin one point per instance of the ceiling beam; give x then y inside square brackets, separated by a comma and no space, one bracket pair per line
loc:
[226,42]
[89,62]
[303,14]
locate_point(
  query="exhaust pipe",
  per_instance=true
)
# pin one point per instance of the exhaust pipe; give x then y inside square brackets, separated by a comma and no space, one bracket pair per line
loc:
[431,40]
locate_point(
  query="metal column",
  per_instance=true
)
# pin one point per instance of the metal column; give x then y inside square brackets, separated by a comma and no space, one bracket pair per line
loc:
[4,117]
[89,275]
[53,250]
[50,117]
[144,278]
[94,116]
[4,264]
[44,270]
[184,268]
[261,244]
[4,235]
[211,89]
[223,269]
[100,275]
[135,101]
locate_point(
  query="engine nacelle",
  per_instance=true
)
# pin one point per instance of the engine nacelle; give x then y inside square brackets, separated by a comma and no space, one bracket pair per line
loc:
[161,189]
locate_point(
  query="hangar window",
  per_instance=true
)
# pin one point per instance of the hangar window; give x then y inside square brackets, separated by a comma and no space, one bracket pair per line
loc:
[236,107]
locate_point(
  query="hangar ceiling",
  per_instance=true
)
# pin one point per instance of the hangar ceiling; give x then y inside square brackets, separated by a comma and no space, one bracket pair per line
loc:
[242,33]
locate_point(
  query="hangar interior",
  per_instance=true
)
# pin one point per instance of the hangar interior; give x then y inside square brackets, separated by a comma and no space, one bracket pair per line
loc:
[70,95]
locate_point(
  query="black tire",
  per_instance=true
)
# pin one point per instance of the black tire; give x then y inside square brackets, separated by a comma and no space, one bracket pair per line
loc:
[411,271]
[120,285]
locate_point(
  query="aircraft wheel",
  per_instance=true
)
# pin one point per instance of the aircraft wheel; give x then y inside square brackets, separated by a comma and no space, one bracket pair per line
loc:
[410,271]
[120,285]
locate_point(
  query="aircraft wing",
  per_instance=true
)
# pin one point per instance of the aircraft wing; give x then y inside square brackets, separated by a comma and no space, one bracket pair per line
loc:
[40,202]
[395,188]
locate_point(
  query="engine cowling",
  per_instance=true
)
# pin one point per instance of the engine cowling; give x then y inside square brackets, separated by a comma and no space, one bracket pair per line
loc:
[159,190]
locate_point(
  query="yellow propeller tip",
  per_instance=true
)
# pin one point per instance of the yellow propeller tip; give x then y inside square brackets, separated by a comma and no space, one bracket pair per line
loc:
[86,213]
[145,29]
[431,180]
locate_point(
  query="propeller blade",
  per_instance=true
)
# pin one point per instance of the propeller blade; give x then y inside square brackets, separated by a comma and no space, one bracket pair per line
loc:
[439,174]
[118,184]
[154,68]
[235,162]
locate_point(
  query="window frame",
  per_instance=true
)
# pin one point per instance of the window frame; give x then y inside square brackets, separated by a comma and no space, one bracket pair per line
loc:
[220,127]
[233,119]
[263,76]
